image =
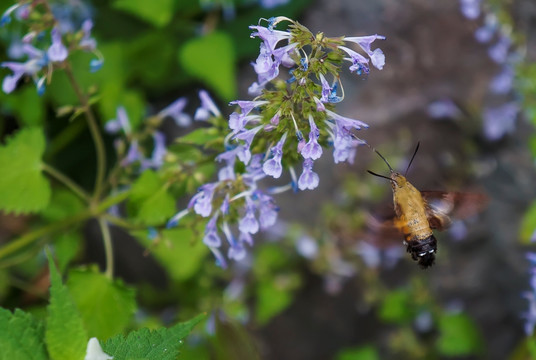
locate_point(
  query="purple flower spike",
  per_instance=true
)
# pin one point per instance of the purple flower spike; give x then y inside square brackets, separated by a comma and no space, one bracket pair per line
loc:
[176,111]
[249,223]
[272,167]
[202,201]
[308,179]
[211,238]
[312,150]
[57,52]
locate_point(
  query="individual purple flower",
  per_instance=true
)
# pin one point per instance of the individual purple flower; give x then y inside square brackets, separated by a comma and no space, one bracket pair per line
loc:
[344,144]
[37,60]
[503,82]
[57,52]
[307,247]
[237,251]
[174,221]
[202,201]
[247,136]
[237,122]
[359,62]
[87,42]
[272,167]
[245,237]
[220,260]
[500,120]
[211,238]
[376,56]
[308,179]
[159,152]
[133,154]
[312,150]
[443,108]
[6,16]
[345,122]
[95,65]
[267,210]
[329,93]
[270,37]
[208,107]
[176,111]
[485,33]
[499,51]
[120,122]
[470,8]
[249,223]
[247,105]
[227,172]
[269,4]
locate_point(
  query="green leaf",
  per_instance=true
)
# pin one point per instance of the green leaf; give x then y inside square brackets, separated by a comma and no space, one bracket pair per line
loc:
[64,203]
[180,252]
[201,136]
[106,306]
[212,60]
[161,344]
[359,353]
[396,307]
[18,103]
[66,246]
[65,335]
[157,12]
[150,203]
[458,336]
[271,300]
[23,188]
[528,224]
[21,336]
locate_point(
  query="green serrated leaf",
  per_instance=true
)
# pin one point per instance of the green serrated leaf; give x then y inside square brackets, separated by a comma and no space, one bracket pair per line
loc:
[458,336]
[161,344]
[150,203]
[106,306]
[157,12]
[65,336]
[23,188]
[21,336]
[212,59]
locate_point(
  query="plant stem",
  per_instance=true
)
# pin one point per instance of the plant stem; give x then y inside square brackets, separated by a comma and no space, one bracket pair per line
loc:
[66,181]
[108,249]
[95,132]
[32,236]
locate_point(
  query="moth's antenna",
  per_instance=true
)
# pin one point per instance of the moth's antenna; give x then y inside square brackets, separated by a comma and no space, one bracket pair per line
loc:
[376,151]
[378,175]
[413,157]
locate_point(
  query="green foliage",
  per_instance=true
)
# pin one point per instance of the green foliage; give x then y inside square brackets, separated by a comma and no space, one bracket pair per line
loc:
[150,203]
[397,307]
[106,306]
[21,336]
[211,58]
[458,336]
[23,188]
[359,353]
[161,344]
[528,224]
[65,335]
[156,12]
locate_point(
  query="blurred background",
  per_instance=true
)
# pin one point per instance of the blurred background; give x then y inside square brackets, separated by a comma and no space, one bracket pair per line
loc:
[316,286]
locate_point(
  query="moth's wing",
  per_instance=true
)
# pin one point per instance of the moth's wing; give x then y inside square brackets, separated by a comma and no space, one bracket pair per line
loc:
[441,205]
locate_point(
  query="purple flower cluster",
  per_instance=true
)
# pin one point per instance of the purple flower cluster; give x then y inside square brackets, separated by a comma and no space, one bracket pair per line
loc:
[498,120]
[278,130]
[40,62]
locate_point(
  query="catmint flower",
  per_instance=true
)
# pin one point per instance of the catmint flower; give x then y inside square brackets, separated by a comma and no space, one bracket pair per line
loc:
[37,60]
[159,152]
[359,62]
[95,65]
[500,120]
[87,42]
[444,108]
[272,167]
[202,201]
[307,247]
[211,238]
[270,37]
[485,33]
[237,122]
[57,52]
[208,107]
[269,4]
[236,249]
[249,223]
[120,122]
[499,51]
[220,260]
[247,105]
[470,8]
[245,237]
[176,111]
[6,16]
[133,154]
[376,56]
[503,82]
[329,93]
[267,210]
[308,179]
[312,150]
[247,136]
[344,122]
